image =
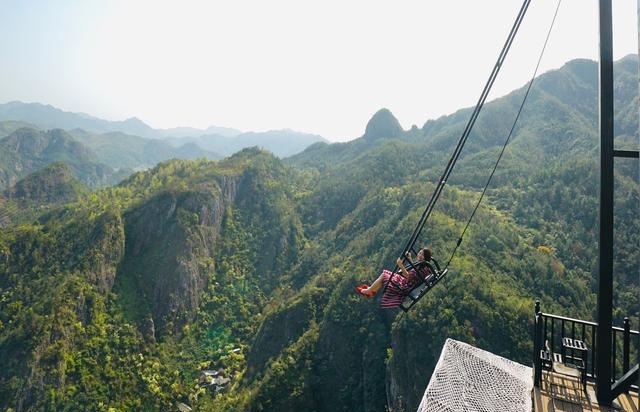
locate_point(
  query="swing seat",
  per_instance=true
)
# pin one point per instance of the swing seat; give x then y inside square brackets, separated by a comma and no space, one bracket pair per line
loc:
[421,289]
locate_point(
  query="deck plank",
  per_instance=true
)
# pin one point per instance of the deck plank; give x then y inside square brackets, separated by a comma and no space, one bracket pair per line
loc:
[564,394]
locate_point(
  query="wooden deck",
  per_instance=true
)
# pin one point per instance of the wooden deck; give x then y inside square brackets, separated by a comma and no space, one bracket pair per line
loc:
[559,393]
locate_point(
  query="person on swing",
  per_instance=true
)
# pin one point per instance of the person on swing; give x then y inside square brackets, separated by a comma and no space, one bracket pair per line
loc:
[399,283]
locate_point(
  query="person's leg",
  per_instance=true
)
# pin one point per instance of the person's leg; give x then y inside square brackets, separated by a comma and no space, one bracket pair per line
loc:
[377,284]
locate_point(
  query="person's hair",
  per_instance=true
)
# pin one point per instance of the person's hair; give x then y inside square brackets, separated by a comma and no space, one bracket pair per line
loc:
[427,253]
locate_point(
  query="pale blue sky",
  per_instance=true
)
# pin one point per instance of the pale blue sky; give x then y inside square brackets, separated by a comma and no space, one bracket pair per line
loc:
[321,67]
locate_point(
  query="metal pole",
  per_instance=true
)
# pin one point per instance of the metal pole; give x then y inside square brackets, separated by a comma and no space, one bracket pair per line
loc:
[605,278]
[626,346]
[537,338]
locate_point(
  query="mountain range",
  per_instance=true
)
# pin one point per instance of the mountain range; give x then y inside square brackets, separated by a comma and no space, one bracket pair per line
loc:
[182,142]
[48,117]
[132,296]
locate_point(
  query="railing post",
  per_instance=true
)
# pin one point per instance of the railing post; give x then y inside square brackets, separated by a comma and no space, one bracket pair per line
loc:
[626,343]
[537,329]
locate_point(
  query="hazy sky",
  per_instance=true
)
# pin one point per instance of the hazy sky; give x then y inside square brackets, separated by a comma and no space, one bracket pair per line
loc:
[322,67]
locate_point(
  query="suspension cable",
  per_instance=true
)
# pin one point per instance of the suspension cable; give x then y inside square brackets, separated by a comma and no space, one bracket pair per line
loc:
[513,126]
[456,154]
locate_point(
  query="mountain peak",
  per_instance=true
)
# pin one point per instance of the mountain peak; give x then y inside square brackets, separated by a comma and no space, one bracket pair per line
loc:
[383,124]
[134,120]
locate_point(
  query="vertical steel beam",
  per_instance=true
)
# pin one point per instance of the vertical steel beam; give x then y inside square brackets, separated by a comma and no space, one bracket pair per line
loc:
[638,23]
[605,278]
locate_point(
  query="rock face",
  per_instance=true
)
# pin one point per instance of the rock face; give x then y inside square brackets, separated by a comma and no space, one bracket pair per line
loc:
[383,124]
[176,240]
[106,250]
[166,239]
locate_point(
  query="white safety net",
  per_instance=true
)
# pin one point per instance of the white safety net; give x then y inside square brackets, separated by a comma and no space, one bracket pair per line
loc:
[470,379]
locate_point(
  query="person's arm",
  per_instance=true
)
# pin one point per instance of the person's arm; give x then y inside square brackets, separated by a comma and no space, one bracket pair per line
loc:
[403,270]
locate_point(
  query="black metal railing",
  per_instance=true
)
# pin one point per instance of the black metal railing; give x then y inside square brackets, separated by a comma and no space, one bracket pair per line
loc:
[551,329]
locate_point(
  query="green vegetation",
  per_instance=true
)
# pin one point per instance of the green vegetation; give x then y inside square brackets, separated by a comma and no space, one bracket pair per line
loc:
[119,299]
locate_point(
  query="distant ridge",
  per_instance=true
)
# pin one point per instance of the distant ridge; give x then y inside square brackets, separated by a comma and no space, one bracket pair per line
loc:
[222,141]
[50,117]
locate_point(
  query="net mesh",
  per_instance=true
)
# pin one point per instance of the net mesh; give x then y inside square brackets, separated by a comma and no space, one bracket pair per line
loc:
[471,379]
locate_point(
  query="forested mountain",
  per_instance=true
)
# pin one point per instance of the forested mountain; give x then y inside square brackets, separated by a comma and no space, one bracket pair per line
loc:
[229,285]
[53,184]
[27,150]
[9,126]
[41,190]
[123,151]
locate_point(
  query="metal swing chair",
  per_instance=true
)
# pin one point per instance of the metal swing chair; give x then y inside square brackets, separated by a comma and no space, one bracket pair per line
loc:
[435,274]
